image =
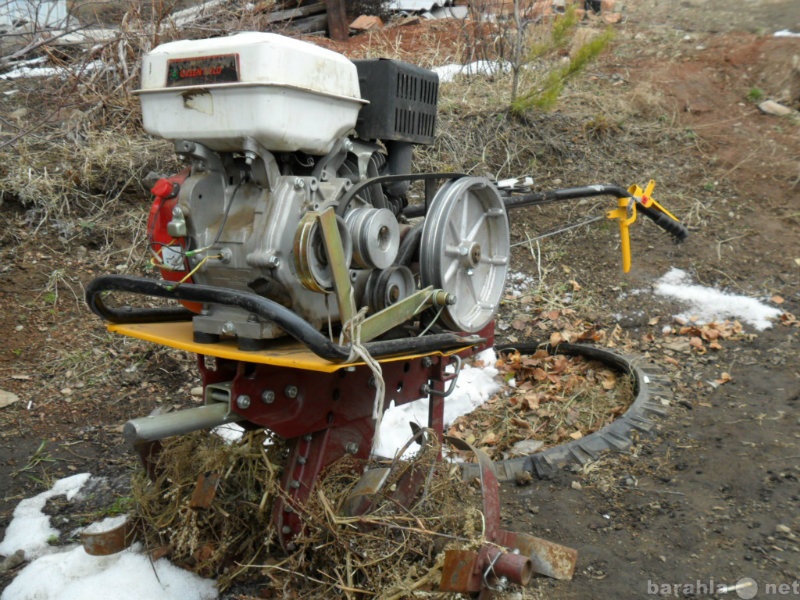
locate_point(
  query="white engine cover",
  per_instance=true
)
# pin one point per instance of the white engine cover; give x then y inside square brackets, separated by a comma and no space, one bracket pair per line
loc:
[286,94]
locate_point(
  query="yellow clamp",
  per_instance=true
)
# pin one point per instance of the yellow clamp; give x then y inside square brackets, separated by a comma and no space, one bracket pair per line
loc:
[625,213]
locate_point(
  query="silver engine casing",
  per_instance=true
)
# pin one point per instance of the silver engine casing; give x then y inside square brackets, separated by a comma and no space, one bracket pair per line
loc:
[257,232]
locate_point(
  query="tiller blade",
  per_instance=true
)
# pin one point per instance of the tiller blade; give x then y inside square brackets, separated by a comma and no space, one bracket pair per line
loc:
[506,555]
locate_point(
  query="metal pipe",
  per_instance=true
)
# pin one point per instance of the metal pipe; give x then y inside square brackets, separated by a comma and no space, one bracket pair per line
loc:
[514,567]
[158,427]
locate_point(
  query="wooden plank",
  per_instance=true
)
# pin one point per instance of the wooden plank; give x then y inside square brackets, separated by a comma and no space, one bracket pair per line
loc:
[310,24]
[294,13]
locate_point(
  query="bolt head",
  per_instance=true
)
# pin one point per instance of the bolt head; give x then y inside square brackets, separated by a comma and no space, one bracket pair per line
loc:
[243,401]
[351,448]
[268,396]
[291,391]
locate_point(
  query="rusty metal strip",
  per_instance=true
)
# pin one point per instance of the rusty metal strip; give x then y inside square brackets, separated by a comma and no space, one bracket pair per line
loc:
[111,541]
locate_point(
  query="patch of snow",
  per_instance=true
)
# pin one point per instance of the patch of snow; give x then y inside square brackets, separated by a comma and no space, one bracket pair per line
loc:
[30,528]
[707,305]
[786,33]
[475,385]
[520,283]
[25,72]
[129,575]
[480,67]
[230,432]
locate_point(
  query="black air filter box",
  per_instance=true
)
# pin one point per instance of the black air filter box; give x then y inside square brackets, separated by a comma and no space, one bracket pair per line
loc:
[402,101]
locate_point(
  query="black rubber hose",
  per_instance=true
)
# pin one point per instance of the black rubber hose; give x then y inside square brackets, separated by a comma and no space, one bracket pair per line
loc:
[667,223]
[284,318]
[288,321]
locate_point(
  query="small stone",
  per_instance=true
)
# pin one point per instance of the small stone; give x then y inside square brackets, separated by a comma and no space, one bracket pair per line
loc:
[770,107]
[366,22]
[576,485]
[7,398]
[523,478]
[780,528]
[12,561]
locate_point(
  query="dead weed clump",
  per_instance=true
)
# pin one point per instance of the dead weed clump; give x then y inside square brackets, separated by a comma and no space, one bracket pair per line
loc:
[78,179]
[393,551]
[234,528]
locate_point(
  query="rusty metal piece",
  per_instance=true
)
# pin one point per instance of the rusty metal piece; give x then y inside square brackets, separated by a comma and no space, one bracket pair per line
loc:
[491,568]
[103,543]
[458,571]
[204,491]
[547,558]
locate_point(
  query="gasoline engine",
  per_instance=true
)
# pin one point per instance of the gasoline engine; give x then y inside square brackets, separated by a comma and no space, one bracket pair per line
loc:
[313,293]
[276,133]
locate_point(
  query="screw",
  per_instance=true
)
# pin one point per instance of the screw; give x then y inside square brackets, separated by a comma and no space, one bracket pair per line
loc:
[425,389]
[307,437]
[268,396]
[301,460]
[286,530]
[299,184]
[294,484]
[291,391]
[225,255]
[427,362]
[228,327]
[243,401]
[287,509]
[274,261]
[351,447]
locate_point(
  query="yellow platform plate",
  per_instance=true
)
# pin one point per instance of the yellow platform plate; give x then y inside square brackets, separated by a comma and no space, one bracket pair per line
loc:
[280,353]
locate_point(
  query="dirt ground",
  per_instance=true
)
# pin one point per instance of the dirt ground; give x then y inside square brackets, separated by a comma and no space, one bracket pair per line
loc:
[713,495]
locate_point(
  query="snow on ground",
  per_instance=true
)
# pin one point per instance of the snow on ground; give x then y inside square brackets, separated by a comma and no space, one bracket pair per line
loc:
[706,305]
[449,72]
[70,573]
[130,575]
[475,385]
[59,573]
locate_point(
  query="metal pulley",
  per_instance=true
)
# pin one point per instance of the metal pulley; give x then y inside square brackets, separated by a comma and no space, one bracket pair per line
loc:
[465,250]
[376,236]
[311,262]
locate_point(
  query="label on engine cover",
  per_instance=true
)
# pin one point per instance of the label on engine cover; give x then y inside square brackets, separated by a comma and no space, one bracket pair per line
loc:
[203,70]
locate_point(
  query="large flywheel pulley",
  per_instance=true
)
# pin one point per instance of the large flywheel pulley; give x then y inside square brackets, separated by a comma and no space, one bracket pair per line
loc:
[465,250]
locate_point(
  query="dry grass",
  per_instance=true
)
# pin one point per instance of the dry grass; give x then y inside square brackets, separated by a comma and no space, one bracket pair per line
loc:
[393,551]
